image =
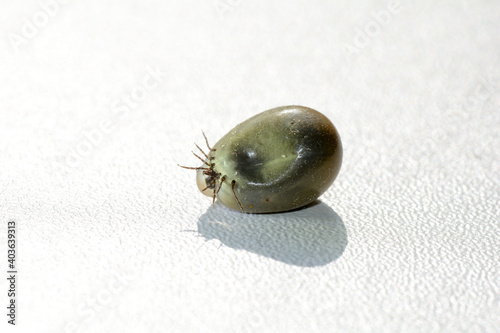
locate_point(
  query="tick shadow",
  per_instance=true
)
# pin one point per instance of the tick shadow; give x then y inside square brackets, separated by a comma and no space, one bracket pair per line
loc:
[312,236]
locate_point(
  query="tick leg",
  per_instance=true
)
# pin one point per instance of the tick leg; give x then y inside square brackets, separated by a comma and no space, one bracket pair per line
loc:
[206,141]
[208,158]
[193,168]
[211,183]
[220,185]
[201,159]
[239,203]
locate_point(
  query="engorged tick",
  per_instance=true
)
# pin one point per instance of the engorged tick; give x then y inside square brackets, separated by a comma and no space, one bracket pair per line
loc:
[264,165]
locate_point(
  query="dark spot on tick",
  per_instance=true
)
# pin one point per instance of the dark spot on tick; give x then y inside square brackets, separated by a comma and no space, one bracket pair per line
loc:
[267,199]
[248,164]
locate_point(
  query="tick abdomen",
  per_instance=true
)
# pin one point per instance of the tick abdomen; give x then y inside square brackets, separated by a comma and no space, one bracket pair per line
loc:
[280,159]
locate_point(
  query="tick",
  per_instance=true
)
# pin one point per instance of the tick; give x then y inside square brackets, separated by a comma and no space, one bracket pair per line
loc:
[278,160]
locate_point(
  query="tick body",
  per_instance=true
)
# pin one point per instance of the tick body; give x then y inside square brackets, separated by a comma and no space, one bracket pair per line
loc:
[278,160]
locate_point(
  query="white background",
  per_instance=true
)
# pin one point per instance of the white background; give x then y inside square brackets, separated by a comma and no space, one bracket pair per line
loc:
[114,237]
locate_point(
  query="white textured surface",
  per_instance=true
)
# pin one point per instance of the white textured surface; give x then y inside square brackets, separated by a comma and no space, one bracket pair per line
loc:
[407,239]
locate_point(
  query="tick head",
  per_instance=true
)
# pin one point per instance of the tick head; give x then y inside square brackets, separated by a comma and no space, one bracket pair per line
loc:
[206,179]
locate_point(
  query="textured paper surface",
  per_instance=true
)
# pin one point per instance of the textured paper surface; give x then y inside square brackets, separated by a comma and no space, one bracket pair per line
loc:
[103,99]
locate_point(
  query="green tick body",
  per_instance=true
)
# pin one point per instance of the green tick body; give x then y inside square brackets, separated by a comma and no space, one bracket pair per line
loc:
[278,160]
